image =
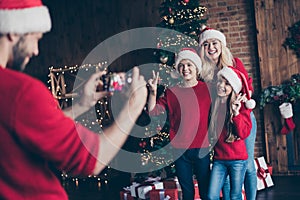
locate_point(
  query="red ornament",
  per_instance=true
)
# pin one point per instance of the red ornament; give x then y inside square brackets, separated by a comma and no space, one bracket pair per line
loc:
[186,1]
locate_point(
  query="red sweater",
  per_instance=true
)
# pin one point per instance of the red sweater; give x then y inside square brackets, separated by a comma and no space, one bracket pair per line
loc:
[35,134]
[237,149]
[187,110]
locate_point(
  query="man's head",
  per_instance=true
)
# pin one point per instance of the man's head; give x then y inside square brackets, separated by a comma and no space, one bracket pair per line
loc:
[23,24]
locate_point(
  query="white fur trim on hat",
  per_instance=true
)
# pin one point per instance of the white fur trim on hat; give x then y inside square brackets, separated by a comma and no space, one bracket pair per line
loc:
[191,55]
[232,78]
[27,20]
[286,110]
[210,34]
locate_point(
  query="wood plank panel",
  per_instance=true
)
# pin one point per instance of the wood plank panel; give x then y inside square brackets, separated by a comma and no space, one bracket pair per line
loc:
[277,63]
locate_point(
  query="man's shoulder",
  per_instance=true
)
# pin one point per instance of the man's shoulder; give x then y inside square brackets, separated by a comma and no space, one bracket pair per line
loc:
[17,78]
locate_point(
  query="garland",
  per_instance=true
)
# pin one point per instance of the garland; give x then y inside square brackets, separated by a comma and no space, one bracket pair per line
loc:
[287,92]
[293,42]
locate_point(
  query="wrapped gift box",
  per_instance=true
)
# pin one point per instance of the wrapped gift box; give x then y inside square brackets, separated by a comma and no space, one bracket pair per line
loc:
[264,178]
[126,195]
[141,190]
[164,194]
[174,184]
[171,183]
[132,189]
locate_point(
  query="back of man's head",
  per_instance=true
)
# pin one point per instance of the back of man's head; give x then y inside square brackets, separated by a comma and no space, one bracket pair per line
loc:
[25,16]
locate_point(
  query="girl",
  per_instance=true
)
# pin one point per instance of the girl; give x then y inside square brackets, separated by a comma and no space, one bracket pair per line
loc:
[187,105]
[230,124]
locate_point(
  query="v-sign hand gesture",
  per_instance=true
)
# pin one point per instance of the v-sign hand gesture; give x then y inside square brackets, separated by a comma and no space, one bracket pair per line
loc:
[236,104]
[152,83]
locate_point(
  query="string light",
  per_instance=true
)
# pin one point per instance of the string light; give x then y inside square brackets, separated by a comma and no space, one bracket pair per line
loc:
[60,89]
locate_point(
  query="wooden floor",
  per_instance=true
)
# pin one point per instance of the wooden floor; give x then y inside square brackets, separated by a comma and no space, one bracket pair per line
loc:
[285,188]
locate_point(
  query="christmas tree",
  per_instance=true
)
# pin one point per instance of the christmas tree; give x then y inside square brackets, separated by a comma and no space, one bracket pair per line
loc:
[185,17]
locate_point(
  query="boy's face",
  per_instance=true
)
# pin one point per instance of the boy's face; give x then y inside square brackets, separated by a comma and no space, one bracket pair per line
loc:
[23,50]
[187,70]
[224,88]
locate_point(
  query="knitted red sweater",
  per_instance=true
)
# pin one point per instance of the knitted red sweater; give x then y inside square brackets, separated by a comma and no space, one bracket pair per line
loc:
[187,109]
[35,134]
[237,149]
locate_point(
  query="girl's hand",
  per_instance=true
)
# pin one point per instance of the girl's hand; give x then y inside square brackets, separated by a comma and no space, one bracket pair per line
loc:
[236,104]
[152,83]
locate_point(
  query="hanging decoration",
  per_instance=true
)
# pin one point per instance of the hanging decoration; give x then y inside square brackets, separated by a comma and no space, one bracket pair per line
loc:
[283,96]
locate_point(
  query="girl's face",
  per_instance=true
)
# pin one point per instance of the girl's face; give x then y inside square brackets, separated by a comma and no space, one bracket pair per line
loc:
[187,70]
[212,49]
[224,89]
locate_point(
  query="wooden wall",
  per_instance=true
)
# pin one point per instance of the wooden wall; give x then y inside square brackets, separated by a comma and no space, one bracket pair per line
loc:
[79,26]
[277,64]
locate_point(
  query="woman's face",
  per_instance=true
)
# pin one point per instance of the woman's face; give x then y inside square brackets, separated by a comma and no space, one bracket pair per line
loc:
[187,70]
[212,49]
[224,89]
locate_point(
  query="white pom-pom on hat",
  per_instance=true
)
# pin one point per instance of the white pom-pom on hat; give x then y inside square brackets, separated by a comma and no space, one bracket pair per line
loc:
[250,104]
[238,83]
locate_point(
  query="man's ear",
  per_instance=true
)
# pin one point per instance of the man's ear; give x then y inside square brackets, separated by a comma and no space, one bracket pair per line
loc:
[13,37]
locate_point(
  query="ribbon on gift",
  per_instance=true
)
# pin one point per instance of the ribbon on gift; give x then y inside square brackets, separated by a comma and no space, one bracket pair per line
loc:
[126,193]
[133,189]
[262,173]
[153,179]
[153,184]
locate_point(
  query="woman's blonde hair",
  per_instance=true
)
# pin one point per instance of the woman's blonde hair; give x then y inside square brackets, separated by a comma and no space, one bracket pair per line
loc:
[209,68]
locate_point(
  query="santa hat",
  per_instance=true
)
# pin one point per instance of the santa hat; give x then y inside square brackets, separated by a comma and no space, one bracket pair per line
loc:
[209,33]
[238,83]
[24,16]
[191,54]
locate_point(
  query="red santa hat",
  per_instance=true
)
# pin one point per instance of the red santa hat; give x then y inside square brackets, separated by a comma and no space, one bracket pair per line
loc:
[191,54]
[238,83]
[209,33]
[24,16]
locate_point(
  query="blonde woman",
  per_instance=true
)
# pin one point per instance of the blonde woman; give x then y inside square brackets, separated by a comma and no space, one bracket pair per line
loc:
[215,55]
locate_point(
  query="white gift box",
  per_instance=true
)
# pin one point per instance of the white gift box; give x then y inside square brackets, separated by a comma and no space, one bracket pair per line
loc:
[264,178]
